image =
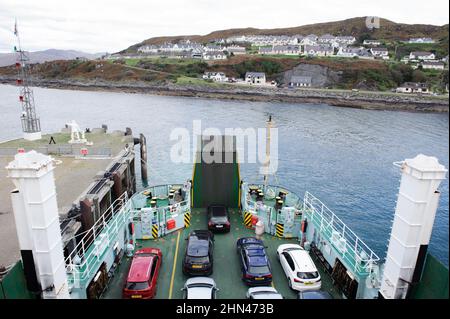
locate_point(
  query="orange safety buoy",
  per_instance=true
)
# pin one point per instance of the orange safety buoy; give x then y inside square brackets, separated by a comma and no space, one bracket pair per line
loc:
[304,225]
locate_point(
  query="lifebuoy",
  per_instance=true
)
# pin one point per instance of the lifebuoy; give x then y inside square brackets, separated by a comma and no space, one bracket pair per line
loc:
[131,228]
[304,225]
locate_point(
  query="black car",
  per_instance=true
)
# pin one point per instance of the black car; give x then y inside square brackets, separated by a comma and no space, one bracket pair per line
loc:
[218,218]
[198,258]
[255,265]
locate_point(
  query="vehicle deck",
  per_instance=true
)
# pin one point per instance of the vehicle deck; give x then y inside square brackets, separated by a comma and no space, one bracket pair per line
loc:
[227,272]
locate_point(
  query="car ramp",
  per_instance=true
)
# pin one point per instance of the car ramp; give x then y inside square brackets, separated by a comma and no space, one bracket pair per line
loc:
[215,177]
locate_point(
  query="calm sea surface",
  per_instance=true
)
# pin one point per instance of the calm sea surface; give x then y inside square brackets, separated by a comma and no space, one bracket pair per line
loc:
[343,156]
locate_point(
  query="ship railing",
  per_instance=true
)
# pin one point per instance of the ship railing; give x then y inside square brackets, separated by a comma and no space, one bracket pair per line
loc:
[84,260]
[352,249]
[271,191]
[139,200]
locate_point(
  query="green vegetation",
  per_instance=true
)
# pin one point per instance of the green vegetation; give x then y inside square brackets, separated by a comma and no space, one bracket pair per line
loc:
[267,66]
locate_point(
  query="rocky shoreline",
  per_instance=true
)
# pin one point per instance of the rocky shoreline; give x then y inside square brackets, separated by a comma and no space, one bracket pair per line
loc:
[361,100]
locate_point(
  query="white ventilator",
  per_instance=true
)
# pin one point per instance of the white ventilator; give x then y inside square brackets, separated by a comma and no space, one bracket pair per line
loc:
[37,220]
[417,203]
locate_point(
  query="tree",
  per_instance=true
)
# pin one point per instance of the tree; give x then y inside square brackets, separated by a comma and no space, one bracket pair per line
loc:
[419,76]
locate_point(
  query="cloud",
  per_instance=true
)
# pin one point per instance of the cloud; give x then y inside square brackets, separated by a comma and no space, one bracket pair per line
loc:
[100,25]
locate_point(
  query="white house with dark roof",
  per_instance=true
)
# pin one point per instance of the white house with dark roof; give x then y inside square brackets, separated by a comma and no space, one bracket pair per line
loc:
[372,42]
[421,40]
[350,52]
[236,50]
[281,49]
[258,78]
[433,65]
[413,87]
[382,53]
[422,55]
[215,76]
[214,55]
[318,50]
[300,81]
[346,40]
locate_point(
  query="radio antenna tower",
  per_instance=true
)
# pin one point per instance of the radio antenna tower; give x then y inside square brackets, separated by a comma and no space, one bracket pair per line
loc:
[31,125]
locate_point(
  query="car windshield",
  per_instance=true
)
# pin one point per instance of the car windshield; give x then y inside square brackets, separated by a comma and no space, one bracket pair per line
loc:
[197,260]
[200,285]
[258,269]
[219,214]
[308,275]
[137,285]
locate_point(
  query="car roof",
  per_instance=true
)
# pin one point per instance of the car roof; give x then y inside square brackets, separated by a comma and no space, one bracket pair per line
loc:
[303,260]
[140,268]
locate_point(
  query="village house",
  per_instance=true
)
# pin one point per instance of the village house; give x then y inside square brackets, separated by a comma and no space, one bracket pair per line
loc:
[350,52]
[214,55]
[382,53]
[318,50]
[421,55]
[326,39]
[345,40]
[309,40]
[148,49]
[300,81]
[433,65]
[413,87]
[215,76]
[281,49]
[258,78]
[372,42]
[213,47]
[236,50]
[421,40]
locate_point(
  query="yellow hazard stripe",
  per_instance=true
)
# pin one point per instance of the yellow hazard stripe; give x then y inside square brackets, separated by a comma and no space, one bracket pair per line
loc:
[187,219]
[279,230]
[155,231]
[247,219]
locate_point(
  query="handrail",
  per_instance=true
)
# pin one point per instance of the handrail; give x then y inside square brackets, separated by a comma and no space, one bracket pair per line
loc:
[330,222]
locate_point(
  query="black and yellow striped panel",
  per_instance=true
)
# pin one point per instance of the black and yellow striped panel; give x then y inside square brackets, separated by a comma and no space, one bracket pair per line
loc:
[187,219]
[155,231]
[279,230]
[248,219]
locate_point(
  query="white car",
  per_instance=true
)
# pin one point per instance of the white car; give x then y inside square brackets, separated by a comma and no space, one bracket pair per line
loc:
[200,288]
[263,293]
[299,268]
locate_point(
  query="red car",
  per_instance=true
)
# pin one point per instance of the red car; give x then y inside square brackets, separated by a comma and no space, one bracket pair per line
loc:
[143,274]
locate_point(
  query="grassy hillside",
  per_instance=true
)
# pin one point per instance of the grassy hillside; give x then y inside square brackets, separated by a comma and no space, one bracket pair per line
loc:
[354,73]
[389,30]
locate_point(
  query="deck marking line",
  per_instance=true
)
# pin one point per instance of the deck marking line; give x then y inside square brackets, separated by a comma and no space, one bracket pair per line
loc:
[174,266]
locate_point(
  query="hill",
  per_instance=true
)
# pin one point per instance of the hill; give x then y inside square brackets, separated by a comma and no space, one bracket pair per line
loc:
[48,55]
[356,27]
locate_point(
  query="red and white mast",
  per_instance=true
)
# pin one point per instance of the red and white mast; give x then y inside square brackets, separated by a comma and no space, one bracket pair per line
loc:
[31,125]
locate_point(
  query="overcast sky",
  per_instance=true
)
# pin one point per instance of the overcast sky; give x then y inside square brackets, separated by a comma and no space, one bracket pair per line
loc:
[112,25]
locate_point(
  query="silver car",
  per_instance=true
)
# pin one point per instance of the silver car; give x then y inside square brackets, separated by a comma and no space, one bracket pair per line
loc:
[200,288]
[263,293]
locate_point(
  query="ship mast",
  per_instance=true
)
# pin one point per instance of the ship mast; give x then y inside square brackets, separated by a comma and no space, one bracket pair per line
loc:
[267,161]
[31,125]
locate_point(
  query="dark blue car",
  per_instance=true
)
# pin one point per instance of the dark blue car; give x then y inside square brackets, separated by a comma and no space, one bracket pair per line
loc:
[255,265]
